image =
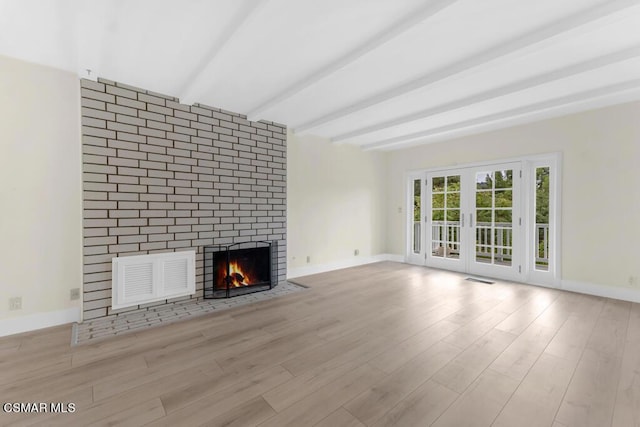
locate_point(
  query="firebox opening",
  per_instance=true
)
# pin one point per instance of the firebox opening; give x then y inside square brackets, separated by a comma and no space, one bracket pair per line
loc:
[247,267]
[238,269]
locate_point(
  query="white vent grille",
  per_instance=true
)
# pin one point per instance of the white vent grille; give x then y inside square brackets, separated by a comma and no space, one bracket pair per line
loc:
[138,279]
[143,279]
[175,275]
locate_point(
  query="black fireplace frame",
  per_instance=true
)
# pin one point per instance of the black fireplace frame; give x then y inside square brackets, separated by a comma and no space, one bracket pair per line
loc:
[211,252]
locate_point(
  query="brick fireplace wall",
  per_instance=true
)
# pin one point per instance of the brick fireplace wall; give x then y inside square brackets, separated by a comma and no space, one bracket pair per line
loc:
[160,176]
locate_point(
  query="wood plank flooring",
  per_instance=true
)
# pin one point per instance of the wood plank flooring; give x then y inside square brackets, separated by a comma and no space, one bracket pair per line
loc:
[385,344]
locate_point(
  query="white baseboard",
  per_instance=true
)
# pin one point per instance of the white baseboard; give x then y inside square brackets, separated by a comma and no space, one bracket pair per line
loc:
[394,257]
[31,322]
[321,268]
[615,292]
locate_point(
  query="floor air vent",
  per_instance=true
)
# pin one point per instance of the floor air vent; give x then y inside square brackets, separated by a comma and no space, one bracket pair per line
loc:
[480,280]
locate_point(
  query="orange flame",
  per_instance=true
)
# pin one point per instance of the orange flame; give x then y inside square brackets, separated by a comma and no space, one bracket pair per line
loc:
[237,276]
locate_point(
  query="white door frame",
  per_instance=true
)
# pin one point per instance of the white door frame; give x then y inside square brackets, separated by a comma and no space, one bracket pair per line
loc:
[514,271]
[445,261]
[529,274]
[413,257]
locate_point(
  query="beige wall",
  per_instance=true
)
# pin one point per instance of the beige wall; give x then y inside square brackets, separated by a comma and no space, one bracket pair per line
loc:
[335,201]
[40,188]
[600,185]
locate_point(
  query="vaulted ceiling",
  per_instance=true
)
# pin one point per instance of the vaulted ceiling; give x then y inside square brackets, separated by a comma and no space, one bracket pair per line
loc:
[381,74]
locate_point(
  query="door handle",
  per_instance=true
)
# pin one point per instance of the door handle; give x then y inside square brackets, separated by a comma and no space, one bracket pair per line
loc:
[470,220]
[462,218]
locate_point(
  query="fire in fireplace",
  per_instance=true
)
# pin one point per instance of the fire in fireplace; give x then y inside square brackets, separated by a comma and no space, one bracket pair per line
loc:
[238,269]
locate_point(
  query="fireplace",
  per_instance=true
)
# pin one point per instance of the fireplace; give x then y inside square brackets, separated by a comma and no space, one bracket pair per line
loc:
[238,269]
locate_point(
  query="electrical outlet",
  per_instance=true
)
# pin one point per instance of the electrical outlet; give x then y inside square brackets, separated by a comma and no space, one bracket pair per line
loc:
[634,281]
[15,303]
[74,294]
[356,252]
[308,259]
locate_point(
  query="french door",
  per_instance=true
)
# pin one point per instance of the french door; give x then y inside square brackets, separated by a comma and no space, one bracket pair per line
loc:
[469,220]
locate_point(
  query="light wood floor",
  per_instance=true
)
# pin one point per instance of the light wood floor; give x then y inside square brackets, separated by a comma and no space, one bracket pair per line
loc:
[380,345]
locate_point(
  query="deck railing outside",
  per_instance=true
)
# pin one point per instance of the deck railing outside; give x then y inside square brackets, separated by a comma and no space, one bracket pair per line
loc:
[542,246]
[416,236]
[502,243]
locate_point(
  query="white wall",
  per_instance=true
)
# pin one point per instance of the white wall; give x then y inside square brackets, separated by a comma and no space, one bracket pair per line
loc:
[601,185]
[335,202]
[339,197]
[40,193]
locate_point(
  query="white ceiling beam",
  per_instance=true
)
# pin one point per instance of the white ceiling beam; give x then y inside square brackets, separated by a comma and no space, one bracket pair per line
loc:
[200,79]
[555,75]
[389,33]
[520,45]
[602,92]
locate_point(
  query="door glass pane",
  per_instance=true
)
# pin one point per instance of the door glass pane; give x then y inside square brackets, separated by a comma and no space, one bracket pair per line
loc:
[494,217]
[437,232]
[438,184]
[503,178]
[502,236]
[453,183]
[502,256]
[416,215]
[504,198]
[437,249]
[445,217]
[437,201]
[483,244]
[453,240]
[503,243]
[453,200]
[452,221]
[483,199]
[483,216]
[503,218]
[541,240]
[484,181]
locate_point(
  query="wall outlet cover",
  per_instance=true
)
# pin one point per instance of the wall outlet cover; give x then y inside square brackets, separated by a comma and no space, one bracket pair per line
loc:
[15,303]
[74,294]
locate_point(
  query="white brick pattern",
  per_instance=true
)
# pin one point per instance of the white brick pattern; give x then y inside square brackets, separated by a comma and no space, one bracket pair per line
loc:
[161,176]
